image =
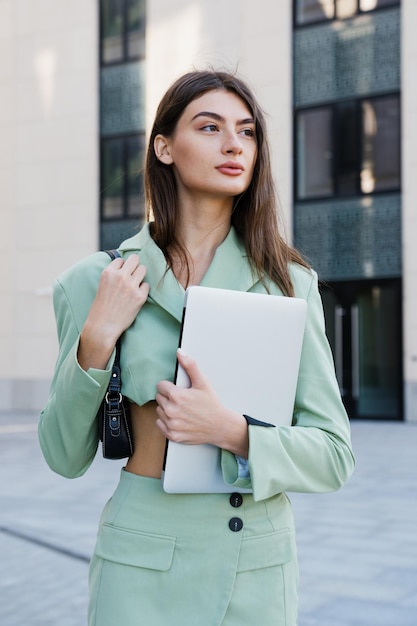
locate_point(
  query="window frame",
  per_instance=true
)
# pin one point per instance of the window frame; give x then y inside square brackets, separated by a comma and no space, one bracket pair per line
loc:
[300,25]
[334,108]
[125,195]
[126,58]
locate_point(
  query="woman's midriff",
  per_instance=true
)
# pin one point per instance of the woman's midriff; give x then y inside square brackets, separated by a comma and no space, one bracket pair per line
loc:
[149,443]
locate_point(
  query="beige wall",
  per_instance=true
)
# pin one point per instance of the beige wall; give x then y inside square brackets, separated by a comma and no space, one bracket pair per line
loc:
[237,34]
[409,213]
[48,176]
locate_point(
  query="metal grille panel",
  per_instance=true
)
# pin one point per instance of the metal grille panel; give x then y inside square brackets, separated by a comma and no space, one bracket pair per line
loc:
[351,239]
[348,58]
[122,94]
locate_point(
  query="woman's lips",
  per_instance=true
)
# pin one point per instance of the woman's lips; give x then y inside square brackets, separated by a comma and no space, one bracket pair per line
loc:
[230,168]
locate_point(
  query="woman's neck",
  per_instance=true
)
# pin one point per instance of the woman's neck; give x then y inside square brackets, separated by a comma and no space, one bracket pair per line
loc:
[200,232]
[203,223]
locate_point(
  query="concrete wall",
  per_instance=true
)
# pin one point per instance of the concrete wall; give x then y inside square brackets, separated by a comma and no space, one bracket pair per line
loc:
[48,176]
[409,186]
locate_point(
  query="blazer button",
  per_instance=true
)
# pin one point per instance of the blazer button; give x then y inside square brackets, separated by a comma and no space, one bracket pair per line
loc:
[236,500]
[235,524]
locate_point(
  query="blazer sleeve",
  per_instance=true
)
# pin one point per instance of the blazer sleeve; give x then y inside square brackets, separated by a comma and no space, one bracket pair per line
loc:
[68,429]
[314,454]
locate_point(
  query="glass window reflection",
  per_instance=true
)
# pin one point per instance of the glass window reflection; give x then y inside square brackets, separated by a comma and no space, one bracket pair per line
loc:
[308,11]
[122,177]
[371,5]
[314,153]
[349,148]
[311,11]
[347,141]
[112,178]
[112,28]
[380,167]
[346,8]
[135,29]
[122,30]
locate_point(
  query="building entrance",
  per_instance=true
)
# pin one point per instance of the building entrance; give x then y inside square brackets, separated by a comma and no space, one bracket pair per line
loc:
[363,324]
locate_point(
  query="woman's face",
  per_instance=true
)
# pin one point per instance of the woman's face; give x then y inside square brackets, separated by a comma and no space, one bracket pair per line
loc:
[213,149]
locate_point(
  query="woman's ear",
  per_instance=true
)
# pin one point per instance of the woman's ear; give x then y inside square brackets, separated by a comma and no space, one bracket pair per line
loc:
[162,151]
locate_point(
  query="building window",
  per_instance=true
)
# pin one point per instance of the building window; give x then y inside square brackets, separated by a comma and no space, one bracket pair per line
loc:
[122,177]
[314,150]
[345,148]
[307,11]
[122,24]
[348,148]
[380,149]
[312,11]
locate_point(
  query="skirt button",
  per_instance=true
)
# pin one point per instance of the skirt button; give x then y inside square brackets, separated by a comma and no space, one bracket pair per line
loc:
[236,500]
[235,524]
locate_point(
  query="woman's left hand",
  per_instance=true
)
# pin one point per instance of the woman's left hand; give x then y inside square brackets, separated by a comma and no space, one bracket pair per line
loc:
[196,415]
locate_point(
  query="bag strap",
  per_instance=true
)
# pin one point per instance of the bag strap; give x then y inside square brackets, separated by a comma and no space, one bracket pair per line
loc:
[115,254]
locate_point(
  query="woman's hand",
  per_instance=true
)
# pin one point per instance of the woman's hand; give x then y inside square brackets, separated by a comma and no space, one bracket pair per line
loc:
[120,295]
[196,415]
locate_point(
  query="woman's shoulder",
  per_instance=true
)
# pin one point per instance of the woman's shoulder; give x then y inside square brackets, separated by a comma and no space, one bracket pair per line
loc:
[75,288]
[84,272]
[302,279]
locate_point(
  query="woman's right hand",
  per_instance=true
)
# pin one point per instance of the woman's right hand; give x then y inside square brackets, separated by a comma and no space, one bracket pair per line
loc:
[120,295]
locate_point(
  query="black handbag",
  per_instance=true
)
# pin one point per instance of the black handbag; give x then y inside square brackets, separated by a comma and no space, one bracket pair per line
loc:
[113,414]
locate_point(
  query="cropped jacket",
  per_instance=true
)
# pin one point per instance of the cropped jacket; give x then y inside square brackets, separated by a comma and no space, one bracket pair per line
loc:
[312,455]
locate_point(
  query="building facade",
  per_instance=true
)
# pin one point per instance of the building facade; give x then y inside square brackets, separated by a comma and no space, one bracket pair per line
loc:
[347,188]
[335,78]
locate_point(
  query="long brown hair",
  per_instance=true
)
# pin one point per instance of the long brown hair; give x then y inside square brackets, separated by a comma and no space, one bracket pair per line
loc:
[255,212]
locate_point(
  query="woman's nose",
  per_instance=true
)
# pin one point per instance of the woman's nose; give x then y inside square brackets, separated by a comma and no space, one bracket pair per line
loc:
[232,144]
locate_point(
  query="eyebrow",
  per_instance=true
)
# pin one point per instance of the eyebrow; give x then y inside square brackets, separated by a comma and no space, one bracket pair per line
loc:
[220,118]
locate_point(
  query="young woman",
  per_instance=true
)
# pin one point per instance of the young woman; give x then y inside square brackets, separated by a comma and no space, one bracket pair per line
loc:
[165,559]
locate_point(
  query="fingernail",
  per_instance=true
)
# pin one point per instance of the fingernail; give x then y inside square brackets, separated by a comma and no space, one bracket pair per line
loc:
[181,352]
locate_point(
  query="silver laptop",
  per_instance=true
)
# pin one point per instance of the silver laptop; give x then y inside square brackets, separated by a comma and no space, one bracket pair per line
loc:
[248,345]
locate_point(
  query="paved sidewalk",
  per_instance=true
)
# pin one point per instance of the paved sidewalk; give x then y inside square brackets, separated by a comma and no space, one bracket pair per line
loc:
[357,548]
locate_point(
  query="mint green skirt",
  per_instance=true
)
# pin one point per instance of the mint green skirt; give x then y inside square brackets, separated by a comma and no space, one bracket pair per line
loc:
[209,559]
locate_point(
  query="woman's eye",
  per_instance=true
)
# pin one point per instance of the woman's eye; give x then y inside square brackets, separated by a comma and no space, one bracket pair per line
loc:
[248,132]
[210,128]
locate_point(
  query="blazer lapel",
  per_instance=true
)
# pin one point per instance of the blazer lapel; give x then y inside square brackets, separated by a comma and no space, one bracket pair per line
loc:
[229,269]
[165,290]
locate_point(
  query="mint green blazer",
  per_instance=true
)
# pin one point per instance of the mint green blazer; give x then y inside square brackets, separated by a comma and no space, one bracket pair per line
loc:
[312,455]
